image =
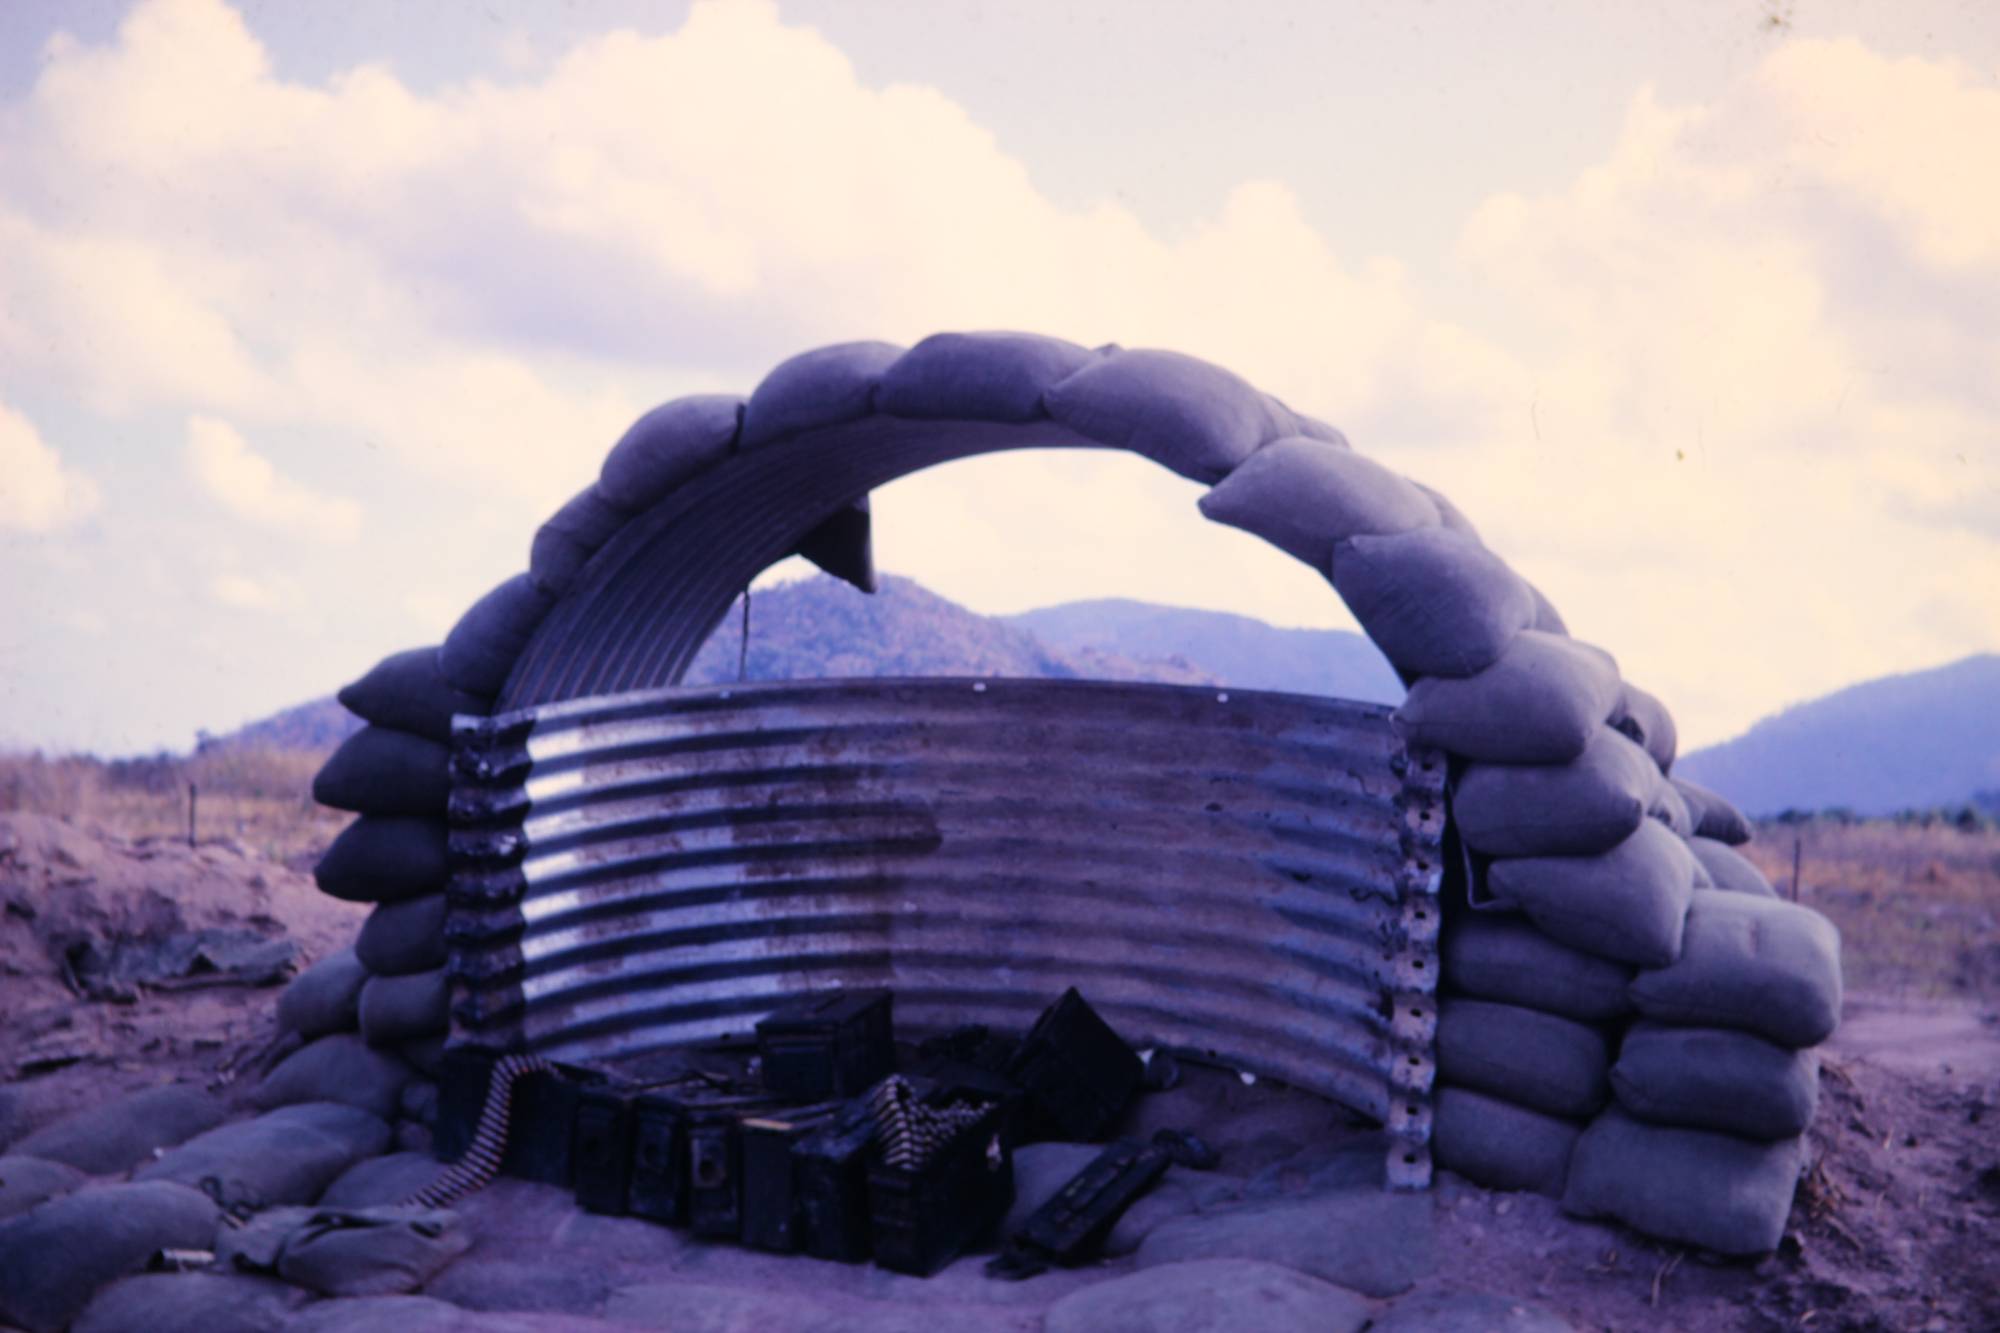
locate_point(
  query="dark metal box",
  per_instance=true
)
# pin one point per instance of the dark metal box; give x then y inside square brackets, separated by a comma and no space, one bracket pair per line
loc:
[1078,1074]
[923,1218]
[827,1046]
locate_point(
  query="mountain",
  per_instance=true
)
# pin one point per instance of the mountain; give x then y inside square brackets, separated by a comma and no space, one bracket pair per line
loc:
[1233,649]
[1928,738]
[820,627]
[319,725]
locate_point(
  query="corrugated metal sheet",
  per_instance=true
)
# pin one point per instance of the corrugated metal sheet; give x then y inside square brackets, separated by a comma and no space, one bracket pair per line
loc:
[1248,875]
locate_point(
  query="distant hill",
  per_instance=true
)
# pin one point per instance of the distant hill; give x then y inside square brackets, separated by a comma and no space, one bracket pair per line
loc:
[1928,738]
[820,627]
[319,725]
[1232,649]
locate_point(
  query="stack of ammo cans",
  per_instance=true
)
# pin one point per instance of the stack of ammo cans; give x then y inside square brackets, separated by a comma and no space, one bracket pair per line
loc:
[827,1152]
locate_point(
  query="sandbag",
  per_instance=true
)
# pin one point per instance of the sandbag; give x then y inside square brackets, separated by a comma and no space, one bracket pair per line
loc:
[1646,720]
[1503,958]
[363,1251]
[1294,422]
[1537,1060]
[1702,879]
[667,446]
[1434,602]
[407,692]
[385,858]
[1197,419]
[381,1180]
[1502,1146]
[827,386]
[1757,964]
[403,937]
[381,771]
[397,1009]
[1670,808]
[285,1156]
[1540,703]
[28,1181]
[1449,514]
[324,998]
[1303,496]
[1580,808]
[1714,816]
[1712,1078]
[109,1137]
[425,1054]
[1629,904]
[483,646]
[1547,619]
[1728,869]
[1694,1186]
[342,1069]
[978,376]
[191,1303]
[573,534]
[58,1255]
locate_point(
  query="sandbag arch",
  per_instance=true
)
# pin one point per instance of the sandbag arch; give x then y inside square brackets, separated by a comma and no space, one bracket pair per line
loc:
[704,493]
[624,582]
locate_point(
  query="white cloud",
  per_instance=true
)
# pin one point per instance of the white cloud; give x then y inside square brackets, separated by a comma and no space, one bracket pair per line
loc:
[1730,396]
[240,592]
[38,493]
[249,487]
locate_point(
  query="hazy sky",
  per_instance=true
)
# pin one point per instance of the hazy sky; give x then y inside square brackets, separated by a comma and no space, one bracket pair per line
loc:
[309,313]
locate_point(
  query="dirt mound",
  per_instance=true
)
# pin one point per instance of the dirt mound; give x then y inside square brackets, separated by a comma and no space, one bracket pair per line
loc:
[129,952]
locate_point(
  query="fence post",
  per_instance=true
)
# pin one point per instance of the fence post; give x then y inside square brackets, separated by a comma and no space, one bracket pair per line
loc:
[193,792]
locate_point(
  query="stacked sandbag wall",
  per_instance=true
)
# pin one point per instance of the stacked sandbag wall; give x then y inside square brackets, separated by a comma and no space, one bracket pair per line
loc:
[1628,1010]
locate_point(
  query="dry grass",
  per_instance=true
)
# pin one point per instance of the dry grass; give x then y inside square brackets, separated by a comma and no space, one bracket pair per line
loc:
[259,797]
[1917,901]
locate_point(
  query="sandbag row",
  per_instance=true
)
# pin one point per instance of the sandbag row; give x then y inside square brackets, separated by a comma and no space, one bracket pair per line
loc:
[1599,861]
[374,1015]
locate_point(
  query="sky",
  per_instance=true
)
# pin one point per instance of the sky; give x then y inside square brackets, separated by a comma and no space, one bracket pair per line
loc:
[310,312]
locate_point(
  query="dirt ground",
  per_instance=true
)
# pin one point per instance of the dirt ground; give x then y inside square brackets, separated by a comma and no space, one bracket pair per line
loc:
[1896,1228]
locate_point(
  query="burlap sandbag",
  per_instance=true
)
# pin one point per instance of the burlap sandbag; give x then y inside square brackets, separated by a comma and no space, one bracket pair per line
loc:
[1537,1060]
[1435,602]
[1541,703]
[324,998]
[407,691]
[385,858]
[1502,1146]
[978,376]
[666,447]
[1694,1186]
[1714,817]
[1713,1078]
[1629,904]
[573,534]
[403,937]
[1580,808]
[382,771]
[1304,496]
[399,1009]
[1200,420]
[483,646]
[1757,964]
[1670,808]
[1646,720]
[1729,869]
[827,386]
[1493,957]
